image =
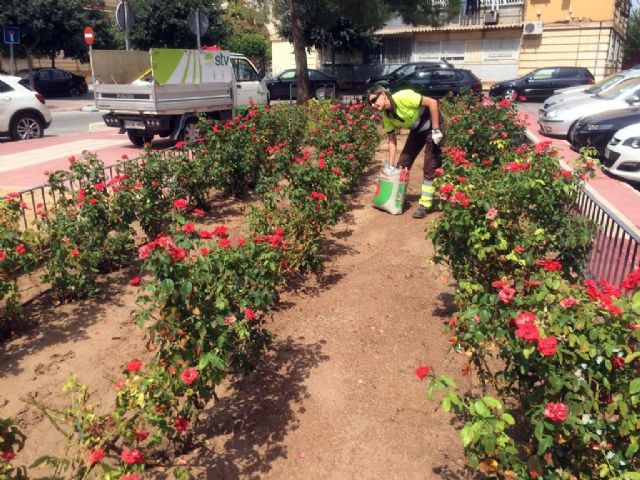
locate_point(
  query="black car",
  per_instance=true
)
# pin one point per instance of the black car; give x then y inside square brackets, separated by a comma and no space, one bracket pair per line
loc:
[283,86]
[55,82]
[597,130]
[406,69]
[541,83]
[436,83]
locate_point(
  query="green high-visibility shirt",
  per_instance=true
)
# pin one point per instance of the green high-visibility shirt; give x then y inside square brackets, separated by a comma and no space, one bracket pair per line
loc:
[408,111]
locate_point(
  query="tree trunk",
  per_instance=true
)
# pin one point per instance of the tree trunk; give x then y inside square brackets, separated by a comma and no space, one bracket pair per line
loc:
[302,73]
[333,60]
[52,55]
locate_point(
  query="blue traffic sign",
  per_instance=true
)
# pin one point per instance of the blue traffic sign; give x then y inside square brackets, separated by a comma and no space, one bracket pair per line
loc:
[11,35]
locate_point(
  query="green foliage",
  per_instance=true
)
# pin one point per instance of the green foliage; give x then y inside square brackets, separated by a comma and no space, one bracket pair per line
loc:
[48,27]
[161,24]
[632,42]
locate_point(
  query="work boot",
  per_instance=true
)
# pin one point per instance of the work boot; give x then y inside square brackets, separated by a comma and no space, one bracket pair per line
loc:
[420,212]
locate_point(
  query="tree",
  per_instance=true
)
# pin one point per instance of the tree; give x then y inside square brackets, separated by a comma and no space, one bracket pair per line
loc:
[164,24]
[248,31]
[347,24]
[48,27]
[632,43]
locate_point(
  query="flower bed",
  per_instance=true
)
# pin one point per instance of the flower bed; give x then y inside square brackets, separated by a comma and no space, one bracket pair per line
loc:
[556,354]
[204,295]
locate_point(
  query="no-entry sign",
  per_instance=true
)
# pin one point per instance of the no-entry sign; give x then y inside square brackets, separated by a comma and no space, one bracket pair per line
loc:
[88,35]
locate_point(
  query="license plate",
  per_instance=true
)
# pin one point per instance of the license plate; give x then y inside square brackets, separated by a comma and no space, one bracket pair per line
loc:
[134,125]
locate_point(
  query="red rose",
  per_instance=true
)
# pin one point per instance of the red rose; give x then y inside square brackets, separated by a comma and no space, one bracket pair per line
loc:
[221,231]
[180,144]
[198,212]
[568,302]
[3,255]
[72,159]
[230,320]
[141,435]
[518,249]
[133,476]
[617,362]
[99,186]
[204,251]
[96,456]
[93,201]
[527,332]
[556,412]
[279,231]
[7,455]
[532,283]
[181,424]
[241,242]
[422,371]
[21,250]
[249,314]
[506,294]
[188,228]
[75,252]
[547,346]
[135,281]
[180,204]
[190,375]
[498,284]
[525,318]
[549,265]
[133,365]
[132,456]
[224,243]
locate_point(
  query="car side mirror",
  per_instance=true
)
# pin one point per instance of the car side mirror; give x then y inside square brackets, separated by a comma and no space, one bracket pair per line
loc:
[528,79]
[632,99]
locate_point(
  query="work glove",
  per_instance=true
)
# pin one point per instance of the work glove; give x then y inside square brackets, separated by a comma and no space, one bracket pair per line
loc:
[437,136]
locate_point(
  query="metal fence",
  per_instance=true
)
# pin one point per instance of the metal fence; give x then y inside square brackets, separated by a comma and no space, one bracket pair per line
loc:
[616,247]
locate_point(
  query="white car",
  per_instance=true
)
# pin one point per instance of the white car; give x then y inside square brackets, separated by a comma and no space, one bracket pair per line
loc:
[23,113]
[581,91]
[622,155]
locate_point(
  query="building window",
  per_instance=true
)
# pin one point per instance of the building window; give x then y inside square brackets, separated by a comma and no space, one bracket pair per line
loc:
[450,50]
[500,49]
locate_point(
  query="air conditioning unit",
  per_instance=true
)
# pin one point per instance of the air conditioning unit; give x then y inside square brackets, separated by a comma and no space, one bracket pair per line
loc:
[532,28]
[491,18]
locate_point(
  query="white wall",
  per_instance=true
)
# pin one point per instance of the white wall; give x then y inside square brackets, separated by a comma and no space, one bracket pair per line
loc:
[282,57]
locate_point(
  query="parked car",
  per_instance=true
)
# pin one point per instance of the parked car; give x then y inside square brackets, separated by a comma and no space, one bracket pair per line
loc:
[55,82]
[597,130]
[406,69]
[541,83]
[23,113]
[581,91]
[560,119]
[622,154]
[283,86]
[436,83]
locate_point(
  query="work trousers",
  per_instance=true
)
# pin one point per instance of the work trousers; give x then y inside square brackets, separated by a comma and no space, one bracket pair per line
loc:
[432,152]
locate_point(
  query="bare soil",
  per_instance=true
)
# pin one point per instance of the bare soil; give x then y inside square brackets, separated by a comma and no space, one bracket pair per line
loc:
[336,396]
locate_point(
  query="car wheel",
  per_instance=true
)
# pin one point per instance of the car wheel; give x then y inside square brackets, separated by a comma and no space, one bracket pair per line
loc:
[74,92]
[26,126]
[137,139]
[511,94]
[570,131]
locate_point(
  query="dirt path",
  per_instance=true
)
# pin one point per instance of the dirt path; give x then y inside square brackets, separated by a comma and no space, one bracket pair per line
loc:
[336,397]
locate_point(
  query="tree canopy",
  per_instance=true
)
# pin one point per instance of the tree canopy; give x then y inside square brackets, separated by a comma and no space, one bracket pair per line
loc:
[48,27]
[248,32]
[632,43]
[164,24]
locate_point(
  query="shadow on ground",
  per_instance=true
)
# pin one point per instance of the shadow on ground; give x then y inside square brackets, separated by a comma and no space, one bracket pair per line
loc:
[255,415]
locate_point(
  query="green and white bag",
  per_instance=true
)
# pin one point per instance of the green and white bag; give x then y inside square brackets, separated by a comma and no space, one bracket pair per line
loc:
[391,190]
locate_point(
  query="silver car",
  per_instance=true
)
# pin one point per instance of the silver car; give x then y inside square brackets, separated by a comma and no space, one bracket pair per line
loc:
[581,91]
[559,119]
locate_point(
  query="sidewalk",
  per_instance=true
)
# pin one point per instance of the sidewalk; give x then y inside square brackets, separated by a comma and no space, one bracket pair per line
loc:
[618,195]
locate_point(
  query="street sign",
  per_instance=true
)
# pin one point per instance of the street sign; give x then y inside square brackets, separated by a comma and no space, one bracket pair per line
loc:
[120,16]
[11,35]
[88,35]
[204,22]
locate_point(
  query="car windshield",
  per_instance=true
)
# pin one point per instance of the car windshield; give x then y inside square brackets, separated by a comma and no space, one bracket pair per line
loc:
[404,70]
[605,83]
[620,89]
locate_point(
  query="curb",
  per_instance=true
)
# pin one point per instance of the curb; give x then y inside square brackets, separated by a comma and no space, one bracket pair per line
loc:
[99,127]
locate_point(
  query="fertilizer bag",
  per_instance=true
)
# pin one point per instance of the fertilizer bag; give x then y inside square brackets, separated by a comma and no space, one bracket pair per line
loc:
[391,190]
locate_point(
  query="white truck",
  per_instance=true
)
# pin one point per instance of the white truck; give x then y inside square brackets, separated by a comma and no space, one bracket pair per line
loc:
[162,92]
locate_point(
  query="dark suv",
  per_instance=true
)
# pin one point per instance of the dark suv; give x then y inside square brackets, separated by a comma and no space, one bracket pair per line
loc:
[437,82]
[406,69]
[55,82]
[541,83]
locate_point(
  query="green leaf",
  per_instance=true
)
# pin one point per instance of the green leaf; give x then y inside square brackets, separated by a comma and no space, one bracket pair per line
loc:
[447,380]
[481,409]
[508,419]
[631,451]
[467,435]
[492,403]
[635,303]
[634,386]
[446,404]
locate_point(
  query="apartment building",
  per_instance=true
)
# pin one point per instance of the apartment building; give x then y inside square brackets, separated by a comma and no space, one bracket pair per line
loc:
[502,39]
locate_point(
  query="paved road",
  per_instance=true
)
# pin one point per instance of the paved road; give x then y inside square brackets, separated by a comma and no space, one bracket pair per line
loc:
[66,122]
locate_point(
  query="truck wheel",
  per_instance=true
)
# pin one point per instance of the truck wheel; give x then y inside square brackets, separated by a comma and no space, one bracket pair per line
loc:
[137,139]
[191,134]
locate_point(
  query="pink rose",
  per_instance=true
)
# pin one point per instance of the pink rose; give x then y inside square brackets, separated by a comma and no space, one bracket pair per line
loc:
[556,412]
